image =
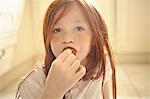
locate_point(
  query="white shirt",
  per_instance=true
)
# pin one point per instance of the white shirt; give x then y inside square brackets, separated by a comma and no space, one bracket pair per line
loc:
[32,84]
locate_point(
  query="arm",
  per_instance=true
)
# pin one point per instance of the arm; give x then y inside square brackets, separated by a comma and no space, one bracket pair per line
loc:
[47,94]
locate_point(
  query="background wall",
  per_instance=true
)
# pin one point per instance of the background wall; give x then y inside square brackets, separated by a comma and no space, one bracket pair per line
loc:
[128,24]
[23,52]
[133,30]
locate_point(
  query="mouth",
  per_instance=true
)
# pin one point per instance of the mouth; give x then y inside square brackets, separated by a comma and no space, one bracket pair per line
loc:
[72,49]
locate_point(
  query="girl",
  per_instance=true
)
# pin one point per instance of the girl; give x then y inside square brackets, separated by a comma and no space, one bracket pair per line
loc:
[78,62]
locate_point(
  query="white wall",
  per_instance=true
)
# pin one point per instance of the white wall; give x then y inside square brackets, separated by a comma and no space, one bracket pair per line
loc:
[129,28]
[132,26]
[25,45]
[24,50]
[107,9]
[38,11]
[132,29]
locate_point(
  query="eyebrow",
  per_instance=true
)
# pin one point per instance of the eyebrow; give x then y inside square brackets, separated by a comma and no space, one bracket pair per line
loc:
[78,21]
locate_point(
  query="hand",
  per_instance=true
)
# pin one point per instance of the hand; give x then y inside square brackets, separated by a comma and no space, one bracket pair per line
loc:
[64,73]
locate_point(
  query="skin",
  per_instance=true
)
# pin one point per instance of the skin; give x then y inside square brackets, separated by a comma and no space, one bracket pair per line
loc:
[74,33]
[67,67]
[64,69]
[72,30]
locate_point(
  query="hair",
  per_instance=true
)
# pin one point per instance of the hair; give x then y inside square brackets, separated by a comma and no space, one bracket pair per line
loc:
[97,55]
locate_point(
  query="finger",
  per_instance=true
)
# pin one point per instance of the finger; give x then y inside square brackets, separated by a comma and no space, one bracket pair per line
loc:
[64,55]
[70,59]
[81,72]
[75,66]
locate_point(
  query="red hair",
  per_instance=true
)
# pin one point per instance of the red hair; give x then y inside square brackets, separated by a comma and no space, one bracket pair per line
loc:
[99,45]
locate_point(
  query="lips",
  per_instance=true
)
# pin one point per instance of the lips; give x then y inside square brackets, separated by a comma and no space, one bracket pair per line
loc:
[72,49]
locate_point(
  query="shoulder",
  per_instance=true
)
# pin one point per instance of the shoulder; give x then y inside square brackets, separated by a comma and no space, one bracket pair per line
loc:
[36,75]
[32,83]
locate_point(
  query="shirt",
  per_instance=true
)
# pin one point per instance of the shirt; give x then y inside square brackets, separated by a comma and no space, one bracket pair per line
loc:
[32,84]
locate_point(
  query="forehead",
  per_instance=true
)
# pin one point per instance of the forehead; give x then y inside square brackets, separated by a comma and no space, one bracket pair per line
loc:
[73,12]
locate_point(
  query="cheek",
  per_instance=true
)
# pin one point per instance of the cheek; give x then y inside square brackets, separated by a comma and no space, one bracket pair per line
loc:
[54,46]
[87,40]
[85,44]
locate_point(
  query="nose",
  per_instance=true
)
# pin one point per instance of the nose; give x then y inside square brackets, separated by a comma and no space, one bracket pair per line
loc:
[68,38]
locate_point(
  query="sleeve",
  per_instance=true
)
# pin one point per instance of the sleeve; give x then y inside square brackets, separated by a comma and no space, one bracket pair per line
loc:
[31,86]
[108,69]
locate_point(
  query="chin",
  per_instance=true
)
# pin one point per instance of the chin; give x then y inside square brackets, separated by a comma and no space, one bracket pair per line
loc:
[56,54]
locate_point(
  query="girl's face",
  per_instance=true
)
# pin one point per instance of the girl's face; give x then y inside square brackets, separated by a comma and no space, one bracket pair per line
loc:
[72,30]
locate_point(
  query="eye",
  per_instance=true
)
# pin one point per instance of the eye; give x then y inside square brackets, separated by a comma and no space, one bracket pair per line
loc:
[79,29]
[56,30]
